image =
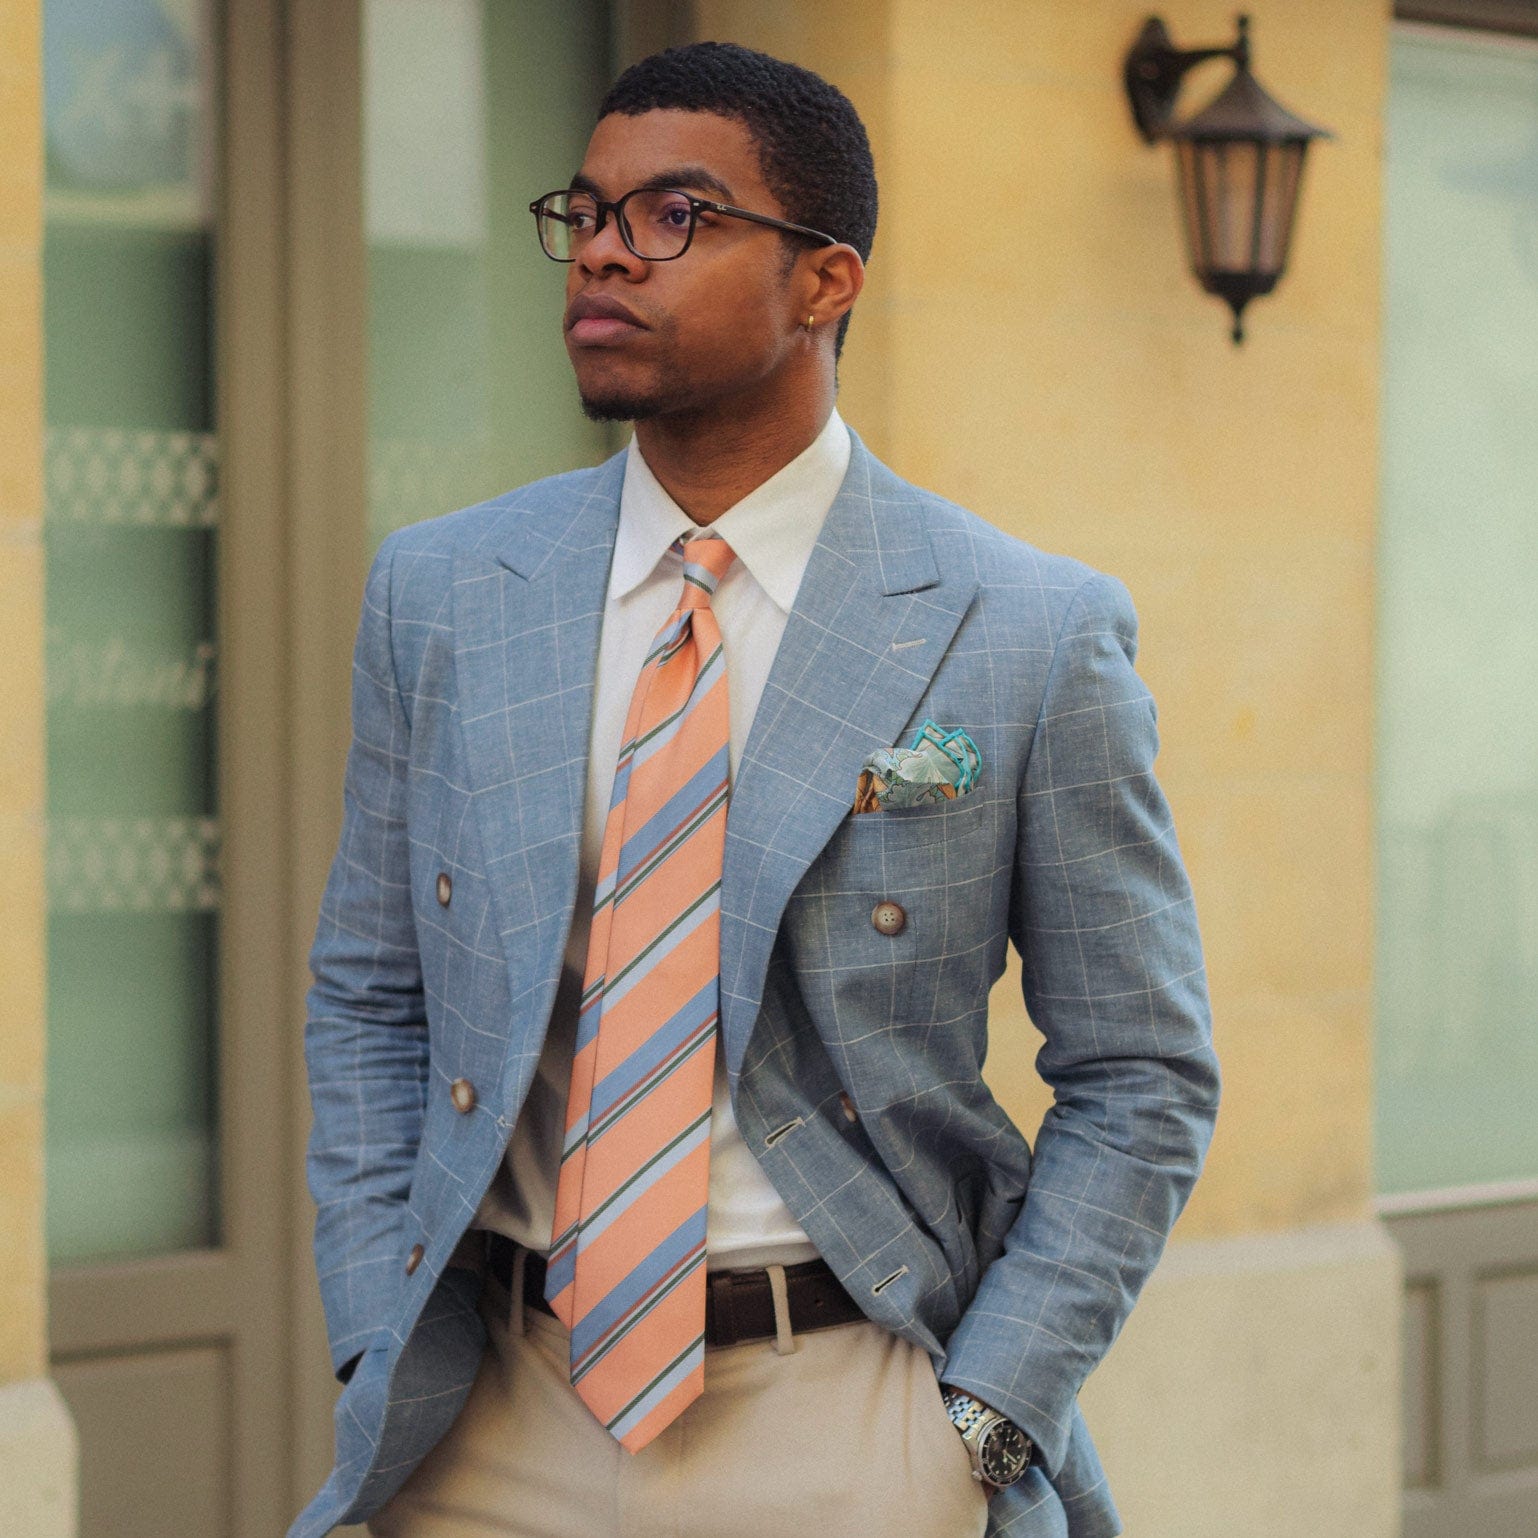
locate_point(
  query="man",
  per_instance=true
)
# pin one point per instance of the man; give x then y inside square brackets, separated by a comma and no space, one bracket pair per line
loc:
[692,804]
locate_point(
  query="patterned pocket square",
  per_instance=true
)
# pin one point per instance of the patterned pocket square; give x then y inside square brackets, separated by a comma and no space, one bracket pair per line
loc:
[938,765]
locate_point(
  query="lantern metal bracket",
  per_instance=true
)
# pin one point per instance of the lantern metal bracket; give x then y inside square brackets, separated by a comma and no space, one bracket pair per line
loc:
[1155,67]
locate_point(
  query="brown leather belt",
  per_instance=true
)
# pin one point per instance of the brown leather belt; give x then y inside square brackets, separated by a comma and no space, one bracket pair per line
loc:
[739,1305]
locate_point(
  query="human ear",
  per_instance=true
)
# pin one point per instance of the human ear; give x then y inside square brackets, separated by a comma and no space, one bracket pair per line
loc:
[832,279]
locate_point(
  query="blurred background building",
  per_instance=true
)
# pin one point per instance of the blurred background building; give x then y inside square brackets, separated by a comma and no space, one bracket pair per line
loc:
[269,288]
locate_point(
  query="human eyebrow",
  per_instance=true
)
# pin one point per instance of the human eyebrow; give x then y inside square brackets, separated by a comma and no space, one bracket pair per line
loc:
[690,176]
[675,176]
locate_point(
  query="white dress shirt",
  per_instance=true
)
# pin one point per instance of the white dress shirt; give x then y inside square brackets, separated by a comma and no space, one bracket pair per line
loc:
[772,531]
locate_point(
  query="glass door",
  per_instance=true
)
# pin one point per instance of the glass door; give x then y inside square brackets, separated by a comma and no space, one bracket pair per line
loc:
[130,530]
[1458,625]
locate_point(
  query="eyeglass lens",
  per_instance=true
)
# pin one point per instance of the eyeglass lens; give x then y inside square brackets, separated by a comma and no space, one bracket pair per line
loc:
[656,223]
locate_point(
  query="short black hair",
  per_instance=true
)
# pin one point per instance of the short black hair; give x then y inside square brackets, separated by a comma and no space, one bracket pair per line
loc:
[813,152]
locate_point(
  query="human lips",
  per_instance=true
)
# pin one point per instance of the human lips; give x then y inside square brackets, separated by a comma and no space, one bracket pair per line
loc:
[595,319]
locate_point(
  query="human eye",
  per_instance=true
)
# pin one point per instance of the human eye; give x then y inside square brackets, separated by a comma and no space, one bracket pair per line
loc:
[671,212]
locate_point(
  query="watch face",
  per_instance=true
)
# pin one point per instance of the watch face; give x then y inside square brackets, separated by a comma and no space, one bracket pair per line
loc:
[1004,1453]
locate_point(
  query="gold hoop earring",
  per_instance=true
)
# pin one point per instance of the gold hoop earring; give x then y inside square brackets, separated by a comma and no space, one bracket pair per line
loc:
[810,322]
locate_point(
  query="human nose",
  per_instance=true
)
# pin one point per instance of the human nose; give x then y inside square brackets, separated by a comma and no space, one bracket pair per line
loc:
[606,250]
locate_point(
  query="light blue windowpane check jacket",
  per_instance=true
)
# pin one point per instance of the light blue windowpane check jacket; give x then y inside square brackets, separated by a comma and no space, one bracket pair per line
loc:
[472,696]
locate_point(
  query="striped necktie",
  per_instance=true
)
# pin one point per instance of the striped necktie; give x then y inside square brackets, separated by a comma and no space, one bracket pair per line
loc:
[627,1261]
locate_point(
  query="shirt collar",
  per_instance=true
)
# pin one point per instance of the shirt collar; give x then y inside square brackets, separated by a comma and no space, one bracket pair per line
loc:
[771,530]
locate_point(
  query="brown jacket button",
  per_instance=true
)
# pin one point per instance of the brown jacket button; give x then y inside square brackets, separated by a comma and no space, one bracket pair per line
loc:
[462,1093]
[889,918]
[445,887]
[850,1114]
[414,1259]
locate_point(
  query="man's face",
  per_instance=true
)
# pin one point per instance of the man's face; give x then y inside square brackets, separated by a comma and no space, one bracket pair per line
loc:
[714,323]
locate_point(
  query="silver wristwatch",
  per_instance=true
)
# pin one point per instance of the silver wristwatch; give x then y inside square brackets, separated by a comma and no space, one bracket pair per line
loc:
[1001,1451]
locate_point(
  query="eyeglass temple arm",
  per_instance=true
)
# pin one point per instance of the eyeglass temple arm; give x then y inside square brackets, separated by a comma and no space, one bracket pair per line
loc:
[777,224]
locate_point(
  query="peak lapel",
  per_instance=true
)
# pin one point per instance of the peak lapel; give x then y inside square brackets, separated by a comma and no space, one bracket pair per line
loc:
[528,611]
[872,619]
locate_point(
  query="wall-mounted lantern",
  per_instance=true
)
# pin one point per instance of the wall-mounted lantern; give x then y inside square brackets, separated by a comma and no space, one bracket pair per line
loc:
[1238,164]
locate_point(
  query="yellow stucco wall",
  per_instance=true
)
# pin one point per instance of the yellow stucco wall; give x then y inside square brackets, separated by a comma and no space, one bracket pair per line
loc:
[1051,364]
[23,1350]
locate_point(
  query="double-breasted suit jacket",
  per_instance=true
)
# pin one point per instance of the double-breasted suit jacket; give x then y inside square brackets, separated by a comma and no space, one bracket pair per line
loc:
[854,1053]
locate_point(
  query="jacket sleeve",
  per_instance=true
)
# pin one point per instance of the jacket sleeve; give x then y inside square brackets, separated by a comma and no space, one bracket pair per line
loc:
[366,1038]
[1103,918]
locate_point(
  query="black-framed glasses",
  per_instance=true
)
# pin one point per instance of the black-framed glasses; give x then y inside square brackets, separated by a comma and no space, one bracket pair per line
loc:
[656,223]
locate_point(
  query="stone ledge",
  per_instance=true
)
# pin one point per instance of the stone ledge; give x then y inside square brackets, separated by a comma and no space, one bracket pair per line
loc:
[39,1461]
[1256,1390]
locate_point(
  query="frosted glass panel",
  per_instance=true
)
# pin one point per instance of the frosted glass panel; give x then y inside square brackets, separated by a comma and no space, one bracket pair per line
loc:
[1457,1069]
[472,109]
[129,531]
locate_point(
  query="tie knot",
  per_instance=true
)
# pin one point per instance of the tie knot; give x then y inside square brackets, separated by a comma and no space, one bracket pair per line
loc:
[705,563]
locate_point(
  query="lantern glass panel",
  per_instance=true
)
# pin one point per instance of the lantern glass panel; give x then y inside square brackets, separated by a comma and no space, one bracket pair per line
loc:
[1237,197]
[1219,188]
[1284,169]
[1191,205]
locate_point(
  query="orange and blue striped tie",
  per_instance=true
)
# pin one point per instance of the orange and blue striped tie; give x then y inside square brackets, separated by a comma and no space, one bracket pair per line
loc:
[627,1261]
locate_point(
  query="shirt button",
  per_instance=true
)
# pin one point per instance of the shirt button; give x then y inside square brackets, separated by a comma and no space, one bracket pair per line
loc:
[889,918]
[850,1113]
[414,1259]
[445,887]
[462,1093]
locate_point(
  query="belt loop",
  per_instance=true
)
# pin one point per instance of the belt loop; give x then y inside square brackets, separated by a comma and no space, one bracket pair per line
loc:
[515,1319]
[784,1340]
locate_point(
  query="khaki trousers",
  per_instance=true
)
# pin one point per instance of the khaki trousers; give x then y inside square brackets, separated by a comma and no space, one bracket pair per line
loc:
[838,1430]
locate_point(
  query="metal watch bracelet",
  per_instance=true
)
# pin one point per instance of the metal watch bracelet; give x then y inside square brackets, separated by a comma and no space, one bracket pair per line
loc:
[1001,1452]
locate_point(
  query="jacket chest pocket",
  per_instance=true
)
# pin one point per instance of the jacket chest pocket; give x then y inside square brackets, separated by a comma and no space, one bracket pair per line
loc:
[886,897]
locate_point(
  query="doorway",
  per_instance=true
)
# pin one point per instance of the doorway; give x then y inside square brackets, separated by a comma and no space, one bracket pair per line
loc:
[1457,992]
[289,305]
